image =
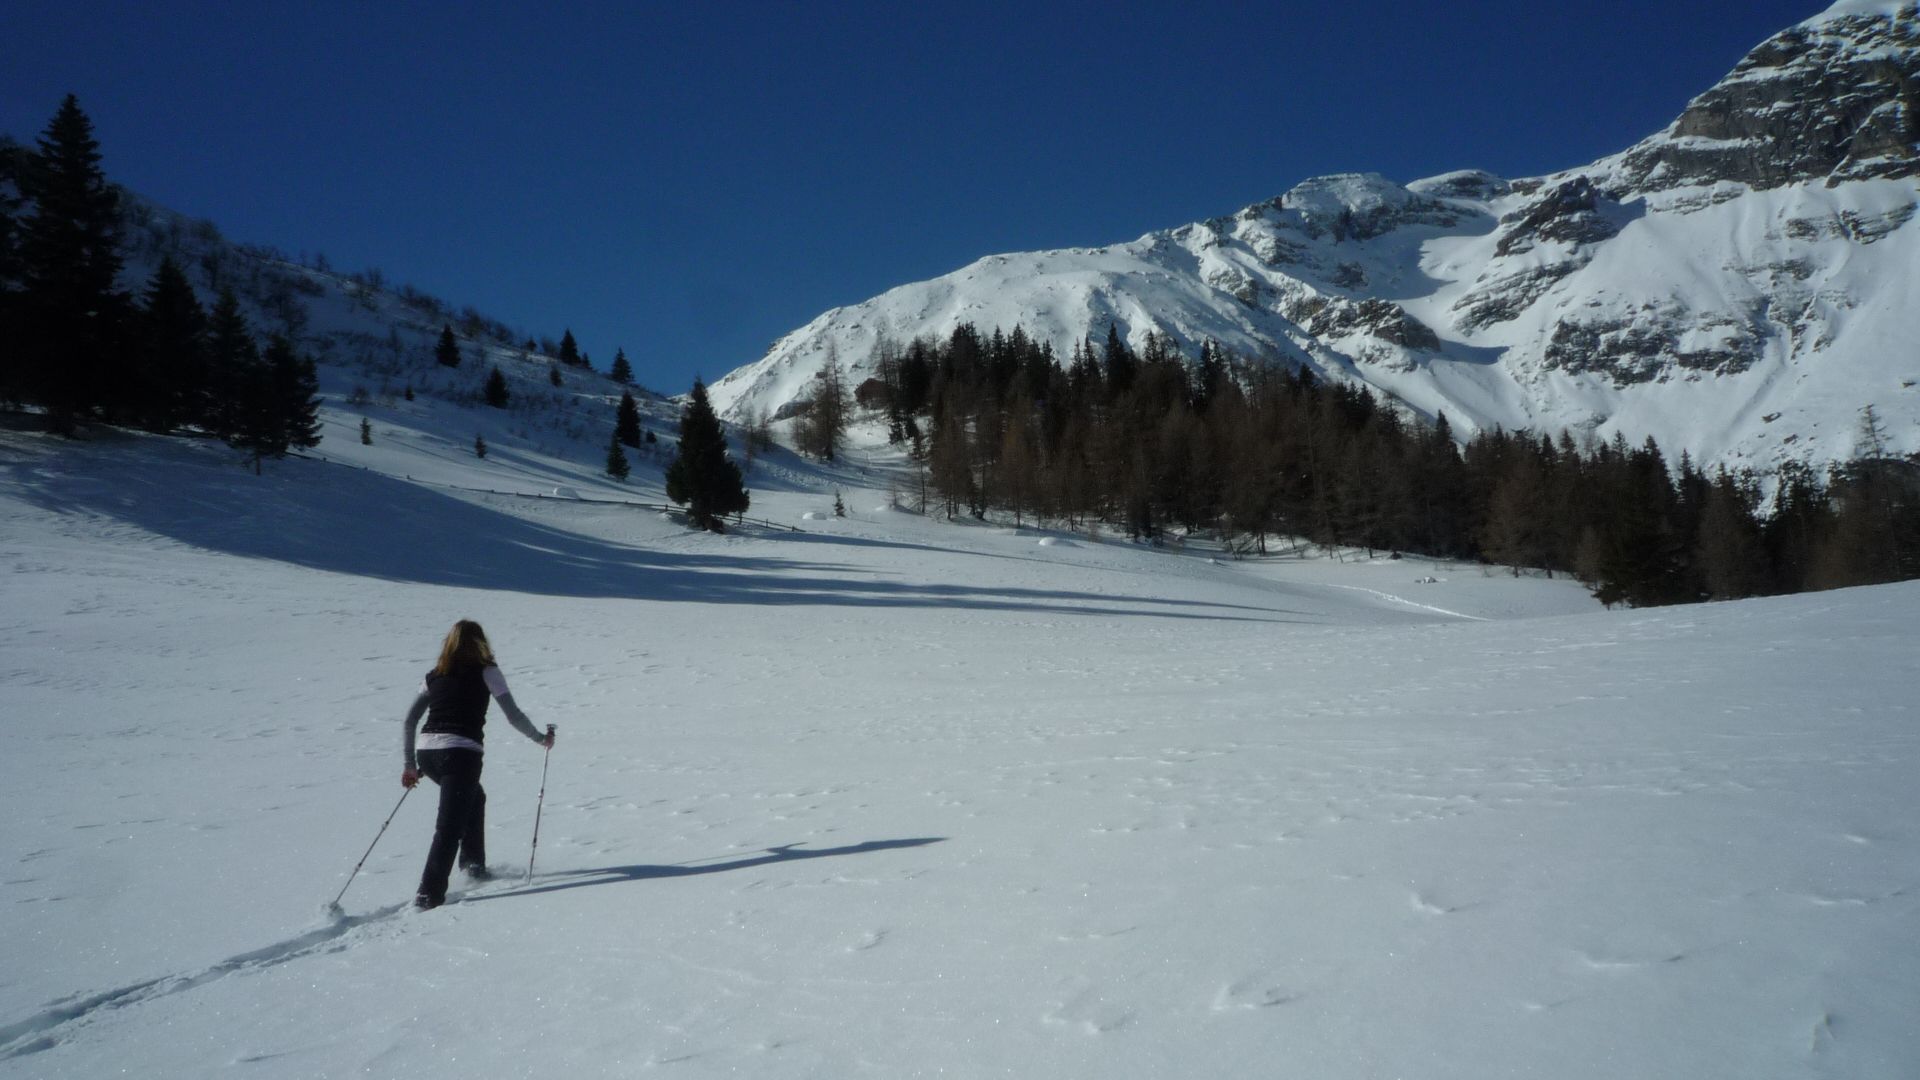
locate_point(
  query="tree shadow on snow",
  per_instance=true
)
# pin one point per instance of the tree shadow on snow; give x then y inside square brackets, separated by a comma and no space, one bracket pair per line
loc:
[370,525]
[563,880]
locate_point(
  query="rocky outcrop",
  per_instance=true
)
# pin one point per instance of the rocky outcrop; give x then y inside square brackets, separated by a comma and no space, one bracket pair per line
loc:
[1651,346]
[1383,319]
[1835,100]
[1571,213]
[1352,208]
[1504,298]
[1859,228]
[1470,184]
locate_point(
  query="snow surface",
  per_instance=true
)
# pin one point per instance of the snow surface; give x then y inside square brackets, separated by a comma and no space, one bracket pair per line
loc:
[891,797]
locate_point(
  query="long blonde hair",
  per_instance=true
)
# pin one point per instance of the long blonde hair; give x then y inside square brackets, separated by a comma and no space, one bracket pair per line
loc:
[466,646]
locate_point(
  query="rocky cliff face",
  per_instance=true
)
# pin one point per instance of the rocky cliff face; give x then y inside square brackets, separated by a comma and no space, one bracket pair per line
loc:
[1738,285]
[1828,101]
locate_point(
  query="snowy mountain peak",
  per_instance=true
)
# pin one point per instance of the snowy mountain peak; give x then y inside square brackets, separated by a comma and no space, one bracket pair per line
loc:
[1738,286]
[1833,99]
[1884,9]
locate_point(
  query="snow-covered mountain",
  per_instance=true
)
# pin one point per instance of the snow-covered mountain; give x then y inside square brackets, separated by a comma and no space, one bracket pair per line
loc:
[1739,285]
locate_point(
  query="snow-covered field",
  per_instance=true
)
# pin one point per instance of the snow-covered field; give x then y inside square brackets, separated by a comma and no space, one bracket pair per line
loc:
[892,798]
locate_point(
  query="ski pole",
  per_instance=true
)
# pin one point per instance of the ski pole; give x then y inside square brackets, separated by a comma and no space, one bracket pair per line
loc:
[335,906]
[540,805]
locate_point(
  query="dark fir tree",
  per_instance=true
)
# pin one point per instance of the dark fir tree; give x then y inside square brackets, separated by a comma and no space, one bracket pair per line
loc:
[447,351]
[71,312]
[232,357]
[276,405]
[480,446]
[366,432]
[11,155]
[495,392]
[172,377]
[702,478]
[248,412]
[622,372]
[553,375]
[1118,362]
[616,459]
[1730,554]
[569,352]
[296,397]
[626,422]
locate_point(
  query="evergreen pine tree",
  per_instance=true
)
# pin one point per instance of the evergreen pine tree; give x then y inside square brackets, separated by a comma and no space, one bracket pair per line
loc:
[296,390]
[407,392]
[839,504]
[622,371]
[248,412]
[172,378]
[496,393]
[1119,362]
[479,446]
[232,357]
[702,477]
[71,312]
[275,406]
[1729,554]
[553,375]
[616,459]
[10,157]
[366,432]
[569,351]
[447,351]
[626,422]
[1515,531]
[1641,553]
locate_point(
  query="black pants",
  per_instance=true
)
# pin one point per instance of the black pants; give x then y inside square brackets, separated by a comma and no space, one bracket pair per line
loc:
[460,828]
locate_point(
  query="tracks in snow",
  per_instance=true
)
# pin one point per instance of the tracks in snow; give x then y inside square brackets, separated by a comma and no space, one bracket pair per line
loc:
[54,1024]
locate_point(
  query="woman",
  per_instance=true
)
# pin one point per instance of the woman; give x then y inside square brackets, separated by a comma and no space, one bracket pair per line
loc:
[454,701]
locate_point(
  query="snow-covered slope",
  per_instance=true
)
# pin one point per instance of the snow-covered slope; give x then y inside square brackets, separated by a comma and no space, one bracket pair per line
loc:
[891,797]
[895,798]
[1739,285]
[373,341]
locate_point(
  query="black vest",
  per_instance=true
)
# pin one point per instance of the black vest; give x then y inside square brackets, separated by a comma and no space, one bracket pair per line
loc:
[457,704]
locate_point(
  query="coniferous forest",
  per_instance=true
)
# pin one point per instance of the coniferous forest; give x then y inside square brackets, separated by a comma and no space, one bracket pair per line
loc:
[1155,443]
[81,349]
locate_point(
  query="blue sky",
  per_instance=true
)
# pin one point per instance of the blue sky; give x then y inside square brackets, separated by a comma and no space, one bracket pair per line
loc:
[691,181]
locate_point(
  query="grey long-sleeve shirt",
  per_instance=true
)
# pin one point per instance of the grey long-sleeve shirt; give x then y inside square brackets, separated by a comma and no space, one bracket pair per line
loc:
[497,685]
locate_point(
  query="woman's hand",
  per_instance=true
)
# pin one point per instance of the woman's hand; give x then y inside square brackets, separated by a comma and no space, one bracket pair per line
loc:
[548,741]
[409,776]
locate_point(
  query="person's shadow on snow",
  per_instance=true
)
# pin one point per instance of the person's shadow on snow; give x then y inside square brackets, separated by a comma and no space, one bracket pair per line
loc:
[558,880]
